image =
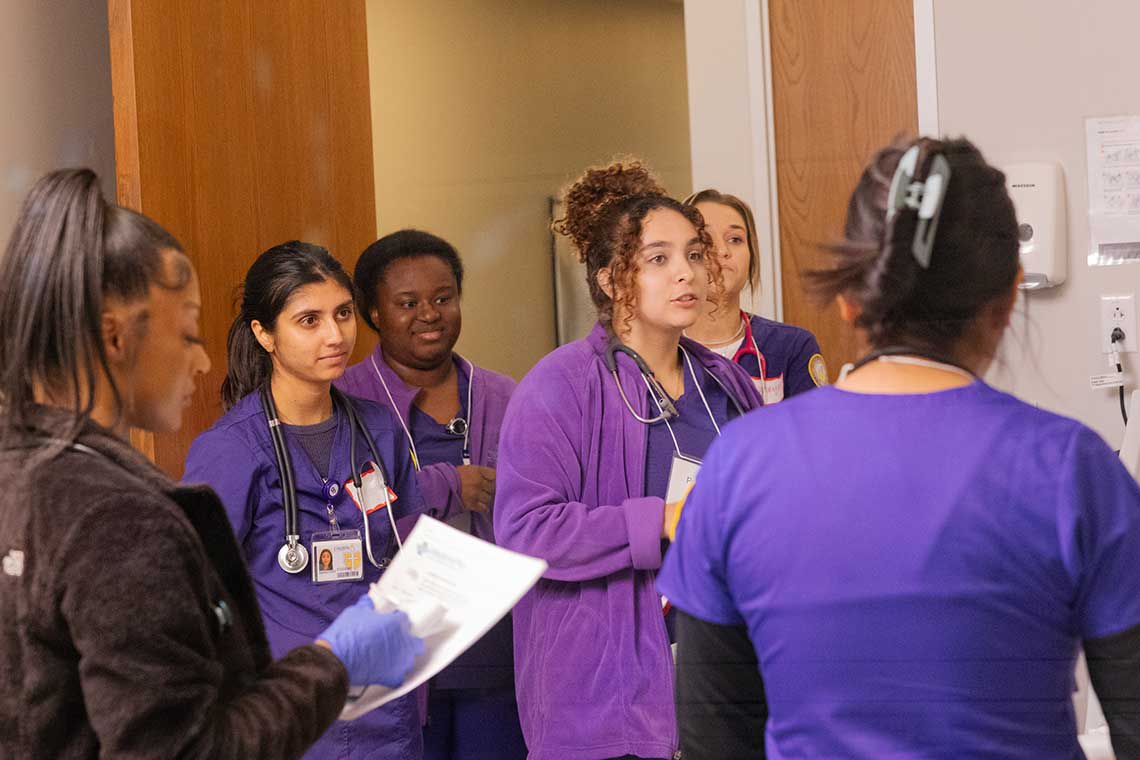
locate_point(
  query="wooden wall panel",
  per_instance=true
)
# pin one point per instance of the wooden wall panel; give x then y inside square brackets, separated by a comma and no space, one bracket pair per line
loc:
[843,85]
[240,125]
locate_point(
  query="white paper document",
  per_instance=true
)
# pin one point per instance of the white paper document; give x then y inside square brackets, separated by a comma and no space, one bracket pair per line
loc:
[454,587]
[1113,154]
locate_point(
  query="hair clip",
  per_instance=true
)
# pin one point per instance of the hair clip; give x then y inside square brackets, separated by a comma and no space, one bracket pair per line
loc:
[925,197]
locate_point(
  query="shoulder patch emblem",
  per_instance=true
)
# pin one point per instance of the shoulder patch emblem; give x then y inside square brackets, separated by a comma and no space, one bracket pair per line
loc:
[817,368]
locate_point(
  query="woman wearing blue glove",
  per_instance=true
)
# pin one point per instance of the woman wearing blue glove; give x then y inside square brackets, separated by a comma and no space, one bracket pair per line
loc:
[302,468]
[162,652]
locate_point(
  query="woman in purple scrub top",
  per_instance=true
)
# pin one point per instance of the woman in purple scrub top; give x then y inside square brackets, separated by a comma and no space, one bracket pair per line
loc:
[582,483]
[783,360]
[913,579]
[290,341]
[450,410]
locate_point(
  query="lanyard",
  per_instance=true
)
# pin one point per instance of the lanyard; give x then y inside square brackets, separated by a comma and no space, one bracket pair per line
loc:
[701,393]
[404,425]
[293,556]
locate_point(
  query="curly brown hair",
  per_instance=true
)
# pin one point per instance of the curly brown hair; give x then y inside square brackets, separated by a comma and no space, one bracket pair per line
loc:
[605,210]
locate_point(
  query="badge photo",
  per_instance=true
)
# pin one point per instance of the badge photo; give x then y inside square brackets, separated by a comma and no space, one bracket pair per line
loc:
[337,556]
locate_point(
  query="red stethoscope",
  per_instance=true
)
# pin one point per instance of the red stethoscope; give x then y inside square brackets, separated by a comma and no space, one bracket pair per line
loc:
[749,346]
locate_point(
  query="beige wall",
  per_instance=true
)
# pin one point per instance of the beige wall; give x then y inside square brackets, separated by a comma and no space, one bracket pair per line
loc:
[1019,77]
[56,88]
[482,109]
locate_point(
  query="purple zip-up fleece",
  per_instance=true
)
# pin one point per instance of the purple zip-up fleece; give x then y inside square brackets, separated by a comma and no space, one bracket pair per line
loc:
[593,668]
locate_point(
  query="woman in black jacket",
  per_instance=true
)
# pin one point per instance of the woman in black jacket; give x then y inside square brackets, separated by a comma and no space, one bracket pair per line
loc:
[128,624]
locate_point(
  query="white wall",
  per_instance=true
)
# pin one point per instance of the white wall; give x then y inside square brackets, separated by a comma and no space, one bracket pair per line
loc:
[730,124]
[1018,77]
[483,109]
[56,90]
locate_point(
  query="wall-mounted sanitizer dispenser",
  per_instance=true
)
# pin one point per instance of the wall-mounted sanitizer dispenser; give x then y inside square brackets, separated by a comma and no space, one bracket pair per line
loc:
[1038,193]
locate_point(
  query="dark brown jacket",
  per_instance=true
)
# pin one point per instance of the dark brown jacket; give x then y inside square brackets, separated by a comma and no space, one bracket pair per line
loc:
[128,622]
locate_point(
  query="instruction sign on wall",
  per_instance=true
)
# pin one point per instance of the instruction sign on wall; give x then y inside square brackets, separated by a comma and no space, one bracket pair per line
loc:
[1113,146]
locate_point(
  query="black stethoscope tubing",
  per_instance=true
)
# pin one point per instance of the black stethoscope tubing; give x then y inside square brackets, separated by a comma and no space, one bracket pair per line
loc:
[284,466]
[293,557]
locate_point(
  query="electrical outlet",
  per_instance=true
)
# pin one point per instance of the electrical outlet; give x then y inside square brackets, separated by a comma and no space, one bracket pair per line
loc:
[1118,311]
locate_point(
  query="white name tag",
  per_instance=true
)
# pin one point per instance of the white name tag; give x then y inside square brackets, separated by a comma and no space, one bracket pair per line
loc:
[771,390]
[682,474]
[374,490]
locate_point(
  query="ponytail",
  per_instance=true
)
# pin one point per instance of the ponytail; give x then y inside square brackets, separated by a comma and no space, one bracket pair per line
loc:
[69,251]
[250,367]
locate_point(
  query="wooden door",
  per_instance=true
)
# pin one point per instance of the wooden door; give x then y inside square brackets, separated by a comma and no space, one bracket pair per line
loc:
[843,85]
[240,125]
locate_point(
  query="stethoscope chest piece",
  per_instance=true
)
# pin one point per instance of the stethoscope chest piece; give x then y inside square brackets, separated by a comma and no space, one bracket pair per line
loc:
[293,557]
[457,427]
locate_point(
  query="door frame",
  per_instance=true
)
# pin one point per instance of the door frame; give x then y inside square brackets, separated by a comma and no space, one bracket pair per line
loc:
[720,30]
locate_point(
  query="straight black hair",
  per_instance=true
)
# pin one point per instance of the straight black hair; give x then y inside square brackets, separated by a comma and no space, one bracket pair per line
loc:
[69,252]
[404,244]
[268,285]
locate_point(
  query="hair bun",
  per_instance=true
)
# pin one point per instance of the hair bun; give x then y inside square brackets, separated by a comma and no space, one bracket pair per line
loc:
[588,198]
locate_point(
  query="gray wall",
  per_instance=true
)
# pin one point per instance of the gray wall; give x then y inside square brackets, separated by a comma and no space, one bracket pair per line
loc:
[1019,77]
[56,90]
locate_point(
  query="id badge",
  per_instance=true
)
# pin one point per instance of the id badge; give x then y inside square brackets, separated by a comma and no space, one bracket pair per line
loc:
[337,556]
[374,489]
[682,473]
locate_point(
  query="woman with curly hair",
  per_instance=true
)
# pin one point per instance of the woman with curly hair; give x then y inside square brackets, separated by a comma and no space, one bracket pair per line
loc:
[582,477]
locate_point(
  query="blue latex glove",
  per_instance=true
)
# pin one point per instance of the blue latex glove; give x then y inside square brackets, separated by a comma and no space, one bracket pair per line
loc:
[375,647]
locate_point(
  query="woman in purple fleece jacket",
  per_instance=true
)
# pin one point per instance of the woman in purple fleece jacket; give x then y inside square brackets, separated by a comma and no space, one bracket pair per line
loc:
[581,482]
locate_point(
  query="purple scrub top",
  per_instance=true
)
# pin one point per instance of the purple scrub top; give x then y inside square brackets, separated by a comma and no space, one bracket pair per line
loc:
[788,353]
[235,457]
[434,445]
[916,572]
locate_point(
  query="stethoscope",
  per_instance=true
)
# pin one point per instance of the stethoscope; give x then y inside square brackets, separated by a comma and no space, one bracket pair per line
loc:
[754,349]
[293,557]
[666,409]
[458,426]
